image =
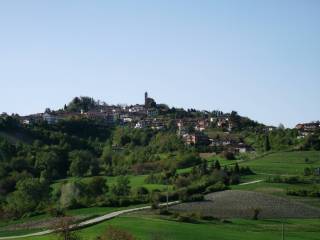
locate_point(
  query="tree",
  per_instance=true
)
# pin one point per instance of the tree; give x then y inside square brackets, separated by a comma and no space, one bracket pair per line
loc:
[30,193]
[106,156]
[49,164]
[267,146]
[80,162]
[97,186]
[63,228]
[71,193]
[204,167]
[229,155]
[81,103]
[256,213]
[236,169]
[142,191]
[122,186]
[94,167]
[182,181]
[217,165]
[235,119]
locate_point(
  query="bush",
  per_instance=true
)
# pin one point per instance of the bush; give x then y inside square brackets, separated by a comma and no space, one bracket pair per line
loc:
[208,218]
[194,198]
[56,212]
[303,192]
[188,218]
[288,179]
[216,187]
[115,233]
[142,191]
[256,213]
[229,155]
[164,211]
[182,181]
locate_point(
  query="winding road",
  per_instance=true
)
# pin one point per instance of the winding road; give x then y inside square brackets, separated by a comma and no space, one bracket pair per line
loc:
[102,218]
[88,222]
[252,182]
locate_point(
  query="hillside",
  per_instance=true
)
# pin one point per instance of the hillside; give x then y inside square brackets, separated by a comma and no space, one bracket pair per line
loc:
[77,161]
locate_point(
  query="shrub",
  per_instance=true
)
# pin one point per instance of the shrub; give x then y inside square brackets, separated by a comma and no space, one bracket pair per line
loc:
[164,211]
[256,213]
[189,218]
[216,187]
[142,191]
[229,155]
[115,233]
[304,192]
[194,198]
[56,212]
[182,182]
[186,218]
[208,218]
[288,179]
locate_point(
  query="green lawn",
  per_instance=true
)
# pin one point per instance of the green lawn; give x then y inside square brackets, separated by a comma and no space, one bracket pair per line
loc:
[284,163]
[278,189]
[83,213]
[144,227]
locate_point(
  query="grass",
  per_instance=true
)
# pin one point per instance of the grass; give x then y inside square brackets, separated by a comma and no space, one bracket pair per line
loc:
[281,163]
[81,212]
[143,227]
[284,163]
[135,182]
[23,220]
[278,189]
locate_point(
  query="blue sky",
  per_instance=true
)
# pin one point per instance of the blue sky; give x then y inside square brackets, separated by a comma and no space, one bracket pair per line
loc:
[261,58]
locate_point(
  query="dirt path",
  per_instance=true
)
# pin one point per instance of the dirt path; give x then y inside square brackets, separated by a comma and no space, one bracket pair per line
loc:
[252,182]
[88,222]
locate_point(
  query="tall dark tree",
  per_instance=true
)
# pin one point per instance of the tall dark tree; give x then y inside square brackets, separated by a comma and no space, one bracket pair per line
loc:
[236,169]
[217,165]
[267,146]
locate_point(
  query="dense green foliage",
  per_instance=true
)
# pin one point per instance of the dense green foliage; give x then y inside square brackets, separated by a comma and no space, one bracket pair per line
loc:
[35,157]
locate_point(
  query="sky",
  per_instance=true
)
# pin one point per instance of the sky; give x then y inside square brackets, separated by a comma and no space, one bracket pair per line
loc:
[260,58]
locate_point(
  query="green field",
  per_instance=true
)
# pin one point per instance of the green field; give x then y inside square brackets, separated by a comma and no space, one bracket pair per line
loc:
[81,213]
[135,182]
[143,227]
[284,163]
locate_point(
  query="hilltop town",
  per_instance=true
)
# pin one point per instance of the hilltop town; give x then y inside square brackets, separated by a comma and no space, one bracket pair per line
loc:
[215,130]
[91,156]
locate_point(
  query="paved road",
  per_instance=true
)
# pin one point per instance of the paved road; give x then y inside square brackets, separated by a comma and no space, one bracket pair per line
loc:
[246,183]
[88,222]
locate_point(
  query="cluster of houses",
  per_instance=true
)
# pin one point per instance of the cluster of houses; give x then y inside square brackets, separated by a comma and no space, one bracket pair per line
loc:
[137,116]
[198,137]
[140,116]
[308,128]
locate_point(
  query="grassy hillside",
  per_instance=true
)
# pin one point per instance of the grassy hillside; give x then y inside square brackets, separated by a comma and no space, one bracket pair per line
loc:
[285,162]
[281,163]
[135,182]
[145,227]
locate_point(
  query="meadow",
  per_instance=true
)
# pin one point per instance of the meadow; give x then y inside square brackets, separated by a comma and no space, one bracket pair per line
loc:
[145,227]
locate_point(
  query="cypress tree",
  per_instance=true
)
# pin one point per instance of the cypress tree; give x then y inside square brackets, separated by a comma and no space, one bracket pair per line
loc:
[267,146]
[217,165]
